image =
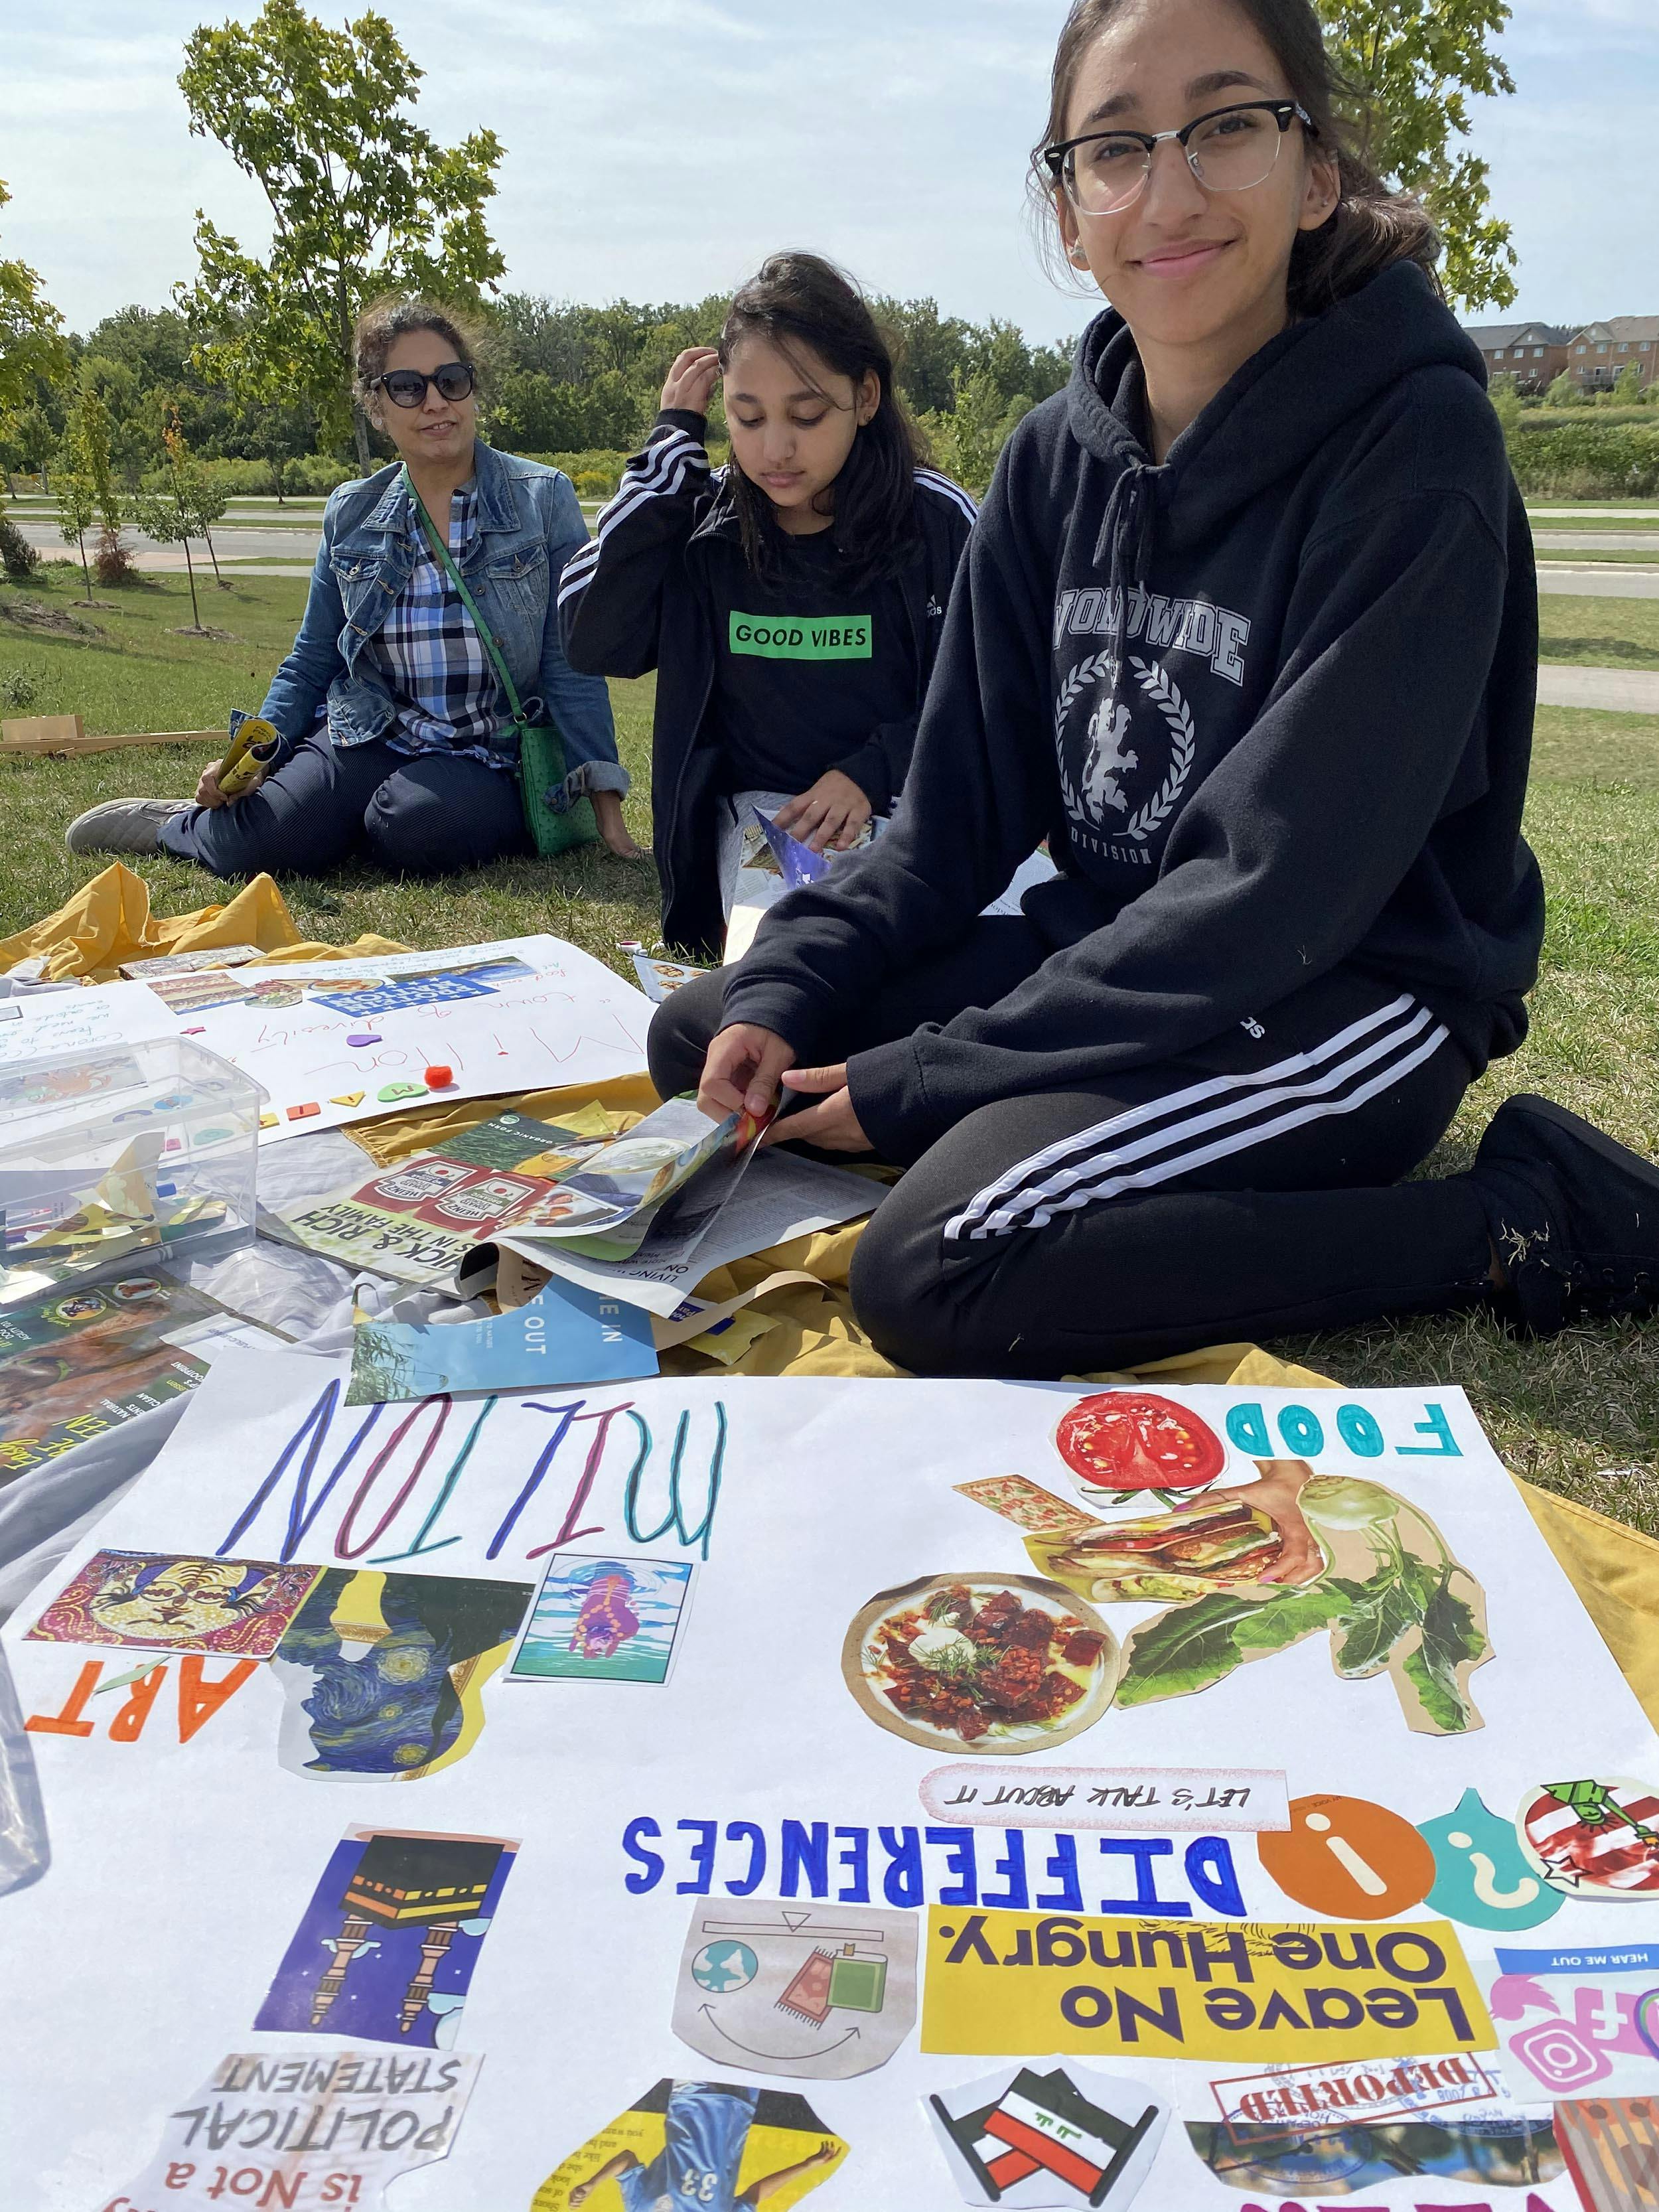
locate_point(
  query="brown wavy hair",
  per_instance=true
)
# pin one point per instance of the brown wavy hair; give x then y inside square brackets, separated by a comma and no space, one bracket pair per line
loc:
[383,322]
[1370,227]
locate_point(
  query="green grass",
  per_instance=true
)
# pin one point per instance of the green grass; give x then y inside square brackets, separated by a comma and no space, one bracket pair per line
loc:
[1646,520]
[1598,633]
[1590,557]
[1579,1415]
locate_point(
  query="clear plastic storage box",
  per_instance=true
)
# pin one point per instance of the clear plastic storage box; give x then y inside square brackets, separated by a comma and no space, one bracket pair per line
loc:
[131,1152]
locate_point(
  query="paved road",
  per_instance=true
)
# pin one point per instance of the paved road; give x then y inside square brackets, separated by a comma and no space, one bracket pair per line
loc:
[1590,541]
[1625,690]
[1561,579]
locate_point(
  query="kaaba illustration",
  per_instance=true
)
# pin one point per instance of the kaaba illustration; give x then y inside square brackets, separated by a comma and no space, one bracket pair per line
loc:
[385,1948]
[432,1882]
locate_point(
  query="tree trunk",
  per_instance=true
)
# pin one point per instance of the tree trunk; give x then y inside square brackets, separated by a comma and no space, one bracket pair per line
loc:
[360,431]
[214,558]
[190,570]
[278,471]
[80,541]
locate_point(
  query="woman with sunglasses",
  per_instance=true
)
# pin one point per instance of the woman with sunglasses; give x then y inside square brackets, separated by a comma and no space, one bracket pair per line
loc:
[396,736]
[1248,632]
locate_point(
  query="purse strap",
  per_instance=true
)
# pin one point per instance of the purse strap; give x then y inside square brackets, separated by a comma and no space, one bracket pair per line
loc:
[486,635]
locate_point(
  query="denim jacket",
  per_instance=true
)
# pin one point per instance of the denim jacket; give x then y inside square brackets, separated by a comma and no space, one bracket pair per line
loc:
[529,525]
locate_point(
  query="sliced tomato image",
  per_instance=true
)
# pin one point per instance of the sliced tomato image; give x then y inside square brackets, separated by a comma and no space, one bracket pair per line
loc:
[1133,1440]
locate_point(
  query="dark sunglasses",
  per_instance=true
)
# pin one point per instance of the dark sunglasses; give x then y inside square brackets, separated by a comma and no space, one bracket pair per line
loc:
[407,388]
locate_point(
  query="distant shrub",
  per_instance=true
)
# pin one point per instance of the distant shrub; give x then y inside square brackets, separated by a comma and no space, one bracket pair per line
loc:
[17,556]
[308,477]
[20,689]
[1586,458]
[112,563]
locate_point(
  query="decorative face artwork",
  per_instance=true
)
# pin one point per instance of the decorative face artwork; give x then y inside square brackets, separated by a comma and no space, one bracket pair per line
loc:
[162,1602]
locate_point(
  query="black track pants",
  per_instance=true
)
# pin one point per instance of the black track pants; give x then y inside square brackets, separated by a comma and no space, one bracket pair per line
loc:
[1249,1188]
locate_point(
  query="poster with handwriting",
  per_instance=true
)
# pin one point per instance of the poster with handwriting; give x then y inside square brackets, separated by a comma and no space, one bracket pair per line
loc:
[1261,1823]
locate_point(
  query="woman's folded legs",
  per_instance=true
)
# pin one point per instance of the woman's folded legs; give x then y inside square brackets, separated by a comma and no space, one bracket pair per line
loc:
[419,815]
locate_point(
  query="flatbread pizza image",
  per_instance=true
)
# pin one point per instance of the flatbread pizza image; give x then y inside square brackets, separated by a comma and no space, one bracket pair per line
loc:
[987,1663]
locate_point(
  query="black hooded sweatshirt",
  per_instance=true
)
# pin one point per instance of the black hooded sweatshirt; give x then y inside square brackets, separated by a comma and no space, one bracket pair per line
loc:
[1270,702]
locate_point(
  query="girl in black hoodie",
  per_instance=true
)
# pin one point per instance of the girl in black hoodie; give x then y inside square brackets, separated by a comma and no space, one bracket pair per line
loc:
[792,605]
[1248,631]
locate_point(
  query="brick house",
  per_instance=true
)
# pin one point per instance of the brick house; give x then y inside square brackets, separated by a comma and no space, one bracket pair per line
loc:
[1533,354]
[1600,351]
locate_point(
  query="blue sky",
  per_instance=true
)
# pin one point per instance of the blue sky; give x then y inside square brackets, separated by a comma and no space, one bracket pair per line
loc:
[657,148]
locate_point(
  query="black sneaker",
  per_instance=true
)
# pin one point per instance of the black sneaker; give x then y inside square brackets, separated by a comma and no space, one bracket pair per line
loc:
[1574,1215]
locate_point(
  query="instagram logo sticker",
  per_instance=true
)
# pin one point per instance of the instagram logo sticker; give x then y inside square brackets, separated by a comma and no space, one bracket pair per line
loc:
[1555,2052]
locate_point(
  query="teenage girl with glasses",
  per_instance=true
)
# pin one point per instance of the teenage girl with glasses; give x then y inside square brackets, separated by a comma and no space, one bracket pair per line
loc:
[1248,632]
[396,734]
[791,604]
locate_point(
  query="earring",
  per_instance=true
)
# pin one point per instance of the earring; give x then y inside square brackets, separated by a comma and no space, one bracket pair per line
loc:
[1078,257]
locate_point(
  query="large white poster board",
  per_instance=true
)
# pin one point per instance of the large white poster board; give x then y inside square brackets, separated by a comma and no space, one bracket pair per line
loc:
[340,1041]
[720,1766]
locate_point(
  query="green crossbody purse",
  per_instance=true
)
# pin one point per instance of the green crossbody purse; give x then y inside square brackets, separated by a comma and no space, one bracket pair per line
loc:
[541,749]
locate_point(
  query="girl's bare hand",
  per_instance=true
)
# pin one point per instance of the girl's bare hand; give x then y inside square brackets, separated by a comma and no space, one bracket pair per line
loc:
[740,1073]
[208,792]
[690,382]
[828,818]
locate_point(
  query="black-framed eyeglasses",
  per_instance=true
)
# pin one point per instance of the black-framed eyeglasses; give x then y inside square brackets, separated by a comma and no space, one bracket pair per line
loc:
[1228,150]
[407,388]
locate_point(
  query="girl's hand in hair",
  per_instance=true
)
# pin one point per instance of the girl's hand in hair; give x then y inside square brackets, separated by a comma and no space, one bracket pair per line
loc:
[740,1074]
[690,383]
[829,817]
[831,1124]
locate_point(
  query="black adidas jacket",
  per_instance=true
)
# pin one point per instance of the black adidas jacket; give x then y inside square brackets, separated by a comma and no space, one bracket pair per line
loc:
[633,600]
[1271,702]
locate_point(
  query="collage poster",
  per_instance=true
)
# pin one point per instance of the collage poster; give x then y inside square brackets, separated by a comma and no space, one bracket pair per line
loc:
[903,1795]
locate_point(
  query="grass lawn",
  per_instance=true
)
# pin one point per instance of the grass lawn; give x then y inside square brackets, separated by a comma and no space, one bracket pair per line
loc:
[1579,1415]
[1589,556]
[1599,633]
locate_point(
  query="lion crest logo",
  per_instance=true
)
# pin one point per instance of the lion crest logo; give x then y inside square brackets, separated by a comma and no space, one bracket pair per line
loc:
[1099,797]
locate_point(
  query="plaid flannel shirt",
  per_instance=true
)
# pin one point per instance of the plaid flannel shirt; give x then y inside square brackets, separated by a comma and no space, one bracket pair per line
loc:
[449,697]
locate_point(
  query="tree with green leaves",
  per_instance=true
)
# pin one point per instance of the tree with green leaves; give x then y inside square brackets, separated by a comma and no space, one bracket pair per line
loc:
[364,201]
[966,440]
[1564,392]
[1627,387]
[1419,63]
[87,446]
[169,509]
[32,348]
[77,509]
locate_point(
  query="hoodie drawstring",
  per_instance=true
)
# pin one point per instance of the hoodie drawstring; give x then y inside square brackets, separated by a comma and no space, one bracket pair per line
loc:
[1124,546]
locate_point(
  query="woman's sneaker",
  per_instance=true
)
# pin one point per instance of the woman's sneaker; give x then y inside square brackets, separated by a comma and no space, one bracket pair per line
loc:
[1573,1215]
[123,825]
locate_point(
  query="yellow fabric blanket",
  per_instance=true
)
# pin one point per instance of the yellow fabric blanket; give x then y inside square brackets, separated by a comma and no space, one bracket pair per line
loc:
[109,921]
[812,1329]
